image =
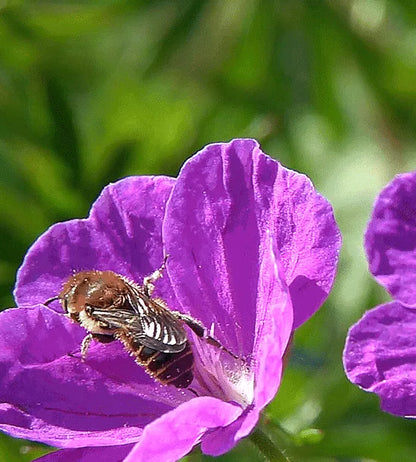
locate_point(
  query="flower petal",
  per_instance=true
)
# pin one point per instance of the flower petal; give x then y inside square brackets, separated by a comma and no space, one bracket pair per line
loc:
[225,199]
[274,326]
[174,434]
[101,454]
[390,239]
[224,439]
[380,356]
[122,234]
[48,394]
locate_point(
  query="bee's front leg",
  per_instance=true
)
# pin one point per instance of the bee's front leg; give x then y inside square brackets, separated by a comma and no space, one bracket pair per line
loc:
[102,338]
[85,345]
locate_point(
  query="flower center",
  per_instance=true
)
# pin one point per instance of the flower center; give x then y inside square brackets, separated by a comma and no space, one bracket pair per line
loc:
[220,375]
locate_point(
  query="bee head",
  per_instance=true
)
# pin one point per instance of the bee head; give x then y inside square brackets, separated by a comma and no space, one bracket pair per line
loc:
[103,289]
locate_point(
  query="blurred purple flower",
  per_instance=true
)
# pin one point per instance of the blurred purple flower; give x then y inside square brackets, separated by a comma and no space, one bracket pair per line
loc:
[380,352]
[252,251]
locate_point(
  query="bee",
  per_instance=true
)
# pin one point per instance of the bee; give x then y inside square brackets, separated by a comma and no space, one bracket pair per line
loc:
[112,307]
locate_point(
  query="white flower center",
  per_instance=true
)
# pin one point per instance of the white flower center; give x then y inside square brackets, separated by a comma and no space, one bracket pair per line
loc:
[220,375]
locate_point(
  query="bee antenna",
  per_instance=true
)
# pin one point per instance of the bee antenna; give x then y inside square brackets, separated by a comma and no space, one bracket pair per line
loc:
[50,300]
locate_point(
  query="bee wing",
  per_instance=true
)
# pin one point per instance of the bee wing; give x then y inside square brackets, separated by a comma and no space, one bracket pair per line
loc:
[146,322]
[160,329]
[114,318]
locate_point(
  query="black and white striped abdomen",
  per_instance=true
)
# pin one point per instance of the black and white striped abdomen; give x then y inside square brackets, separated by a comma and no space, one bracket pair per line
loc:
[167,368]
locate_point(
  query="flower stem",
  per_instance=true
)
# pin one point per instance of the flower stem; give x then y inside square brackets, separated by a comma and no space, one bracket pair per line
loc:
[267,447]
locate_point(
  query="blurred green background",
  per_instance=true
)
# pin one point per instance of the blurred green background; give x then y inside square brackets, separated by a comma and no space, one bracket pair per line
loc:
[94,91]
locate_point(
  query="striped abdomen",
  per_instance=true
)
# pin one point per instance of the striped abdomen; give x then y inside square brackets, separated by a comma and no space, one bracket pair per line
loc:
[168,368]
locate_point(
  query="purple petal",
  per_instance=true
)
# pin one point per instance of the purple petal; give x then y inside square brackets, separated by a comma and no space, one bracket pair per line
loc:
[122,234]
[380,356]
[104,454]
[174,434]
[274,326]
[225,200]
[48,394]
[274,322]
[390,239]
[224,439]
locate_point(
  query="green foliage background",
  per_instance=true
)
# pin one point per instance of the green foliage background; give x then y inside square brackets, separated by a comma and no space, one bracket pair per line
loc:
[94,91]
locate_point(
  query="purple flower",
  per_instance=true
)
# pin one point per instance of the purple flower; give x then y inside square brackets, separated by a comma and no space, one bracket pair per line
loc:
[252,252]
[380,353]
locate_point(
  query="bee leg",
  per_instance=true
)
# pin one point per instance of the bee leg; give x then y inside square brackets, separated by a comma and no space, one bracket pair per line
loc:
[201,331]
[148,281]
[193,391]
[85,345]
[104,338]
